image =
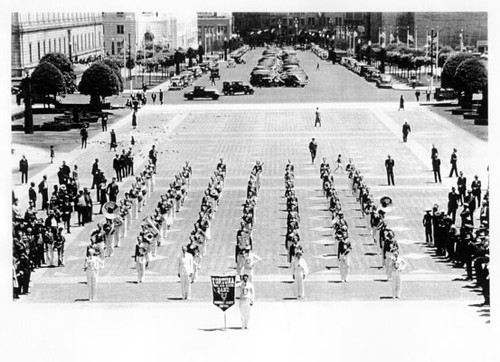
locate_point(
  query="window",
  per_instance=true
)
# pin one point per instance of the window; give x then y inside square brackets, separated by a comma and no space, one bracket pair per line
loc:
[44,49]
[60,45]
[31,54]
[119,29]
[39,51]
[50,46]
[112,48]
[120,15]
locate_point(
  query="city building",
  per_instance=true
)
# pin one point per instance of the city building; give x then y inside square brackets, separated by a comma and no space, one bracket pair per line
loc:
[213,30]
[78,35]
[166,30]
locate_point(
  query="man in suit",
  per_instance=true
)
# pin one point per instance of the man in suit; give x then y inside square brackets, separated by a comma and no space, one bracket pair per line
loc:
[43,189]
[470,200]
[462,187]
[476,189]
[313,148]
[436,168]
[23,168]
[247,296]
[453,162]
[389,168]
[427,223]
[95,173]
[113,190]
[153,155]
[453,198]
[117,166]
[406,130]
[185,270]
[32,193]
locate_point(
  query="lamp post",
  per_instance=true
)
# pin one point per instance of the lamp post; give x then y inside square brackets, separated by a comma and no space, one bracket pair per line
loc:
[69,45]
[279,30]
[296,24]
[225,48]
[28,112]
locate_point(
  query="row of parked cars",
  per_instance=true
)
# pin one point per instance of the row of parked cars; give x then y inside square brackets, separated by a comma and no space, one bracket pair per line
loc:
[370,73]
[229,88]
[278,67]
[320,52]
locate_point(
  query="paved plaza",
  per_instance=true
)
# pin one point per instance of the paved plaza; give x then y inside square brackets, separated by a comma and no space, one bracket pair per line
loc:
[358,122]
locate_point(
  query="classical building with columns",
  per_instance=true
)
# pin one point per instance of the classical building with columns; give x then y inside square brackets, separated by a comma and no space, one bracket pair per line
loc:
[77,35]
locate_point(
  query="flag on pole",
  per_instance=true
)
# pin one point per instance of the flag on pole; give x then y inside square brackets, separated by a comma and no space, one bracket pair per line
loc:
[411,38]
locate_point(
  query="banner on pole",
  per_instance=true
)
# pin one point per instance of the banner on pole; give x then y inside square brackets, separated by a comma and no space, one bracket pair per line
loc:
[223,291]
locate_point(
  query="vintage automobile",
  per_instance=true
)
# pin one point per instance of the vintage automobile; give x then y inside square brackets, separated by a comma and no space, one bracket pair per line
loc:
[196,70]
[231,63]
[230,88]
[443,94]
[385,81]
[373,76]
[202,92]
[176,83]
[187,77]
[215,73]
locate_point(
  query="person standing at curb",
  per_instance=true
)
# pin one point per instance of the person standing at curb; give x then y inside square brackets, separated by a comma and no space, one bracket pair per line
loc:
[185,269]
[23,168]
[84,135]
[52,154]
[398,264]
[160,96]
[417,95]
[436,168]
[134,120]
[401,103]
[113,144]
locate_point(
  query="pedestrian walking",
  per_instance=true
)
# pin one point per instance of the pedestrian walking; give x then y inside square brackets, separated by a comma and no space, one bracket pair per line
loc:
[436,168]
[104,122]
[313,148]
[453,162]
[185,270]
[212,79]
[92,266]
[52,154]
[132,141]
[95,173]
[462,187]
[299,272]
[113,144]
[476,189]
[84,135]
[160,96]
[406,130]
[317,66]
[453,198]
[427,95]
[23,168]
[153,97]
[76,177]
[317,121]
[398,265]
[401,103]
[43,189]
[389,168]
[434,152]
[134,120]
[417,95]
[247,297]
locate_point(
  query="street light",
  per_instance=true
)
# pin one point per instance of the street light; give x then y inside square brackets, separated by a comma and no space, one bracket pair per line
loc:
[296,24]
[225,48]
[28,112]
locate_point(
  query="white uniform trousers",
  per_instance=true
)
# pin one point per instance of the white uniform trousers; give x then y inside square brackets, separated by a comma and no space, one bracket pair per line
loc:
[92,275]
[185,286]
[345,267]
[141,268]
[50,254]
[396,283]
[299,284]
[245,311]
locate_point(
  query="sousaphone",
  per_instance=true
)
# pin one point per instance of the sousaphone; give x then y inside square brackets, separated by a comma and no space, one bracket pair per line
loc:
[385,203]
[111,210]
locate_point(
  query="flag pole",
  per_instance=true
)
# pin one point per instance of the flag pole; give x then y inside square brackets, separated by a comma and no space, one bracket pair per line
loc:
[225,327]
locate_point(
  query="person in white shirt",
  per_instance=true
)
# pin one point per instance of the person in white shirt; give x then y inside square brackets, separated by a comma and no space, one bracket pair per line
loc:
[247,296]
[92,266]
[398,264]
[299,272]
[185,272]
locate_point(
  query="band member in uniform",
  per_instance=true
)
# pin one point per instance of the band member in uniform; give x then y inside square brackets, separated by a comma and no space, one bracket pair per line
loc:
[299,272]
[462,187]
[140,259]
[313,149]
[344,256]
[476,189]
[247,297]
[453,162]
[247,263]
[427,223]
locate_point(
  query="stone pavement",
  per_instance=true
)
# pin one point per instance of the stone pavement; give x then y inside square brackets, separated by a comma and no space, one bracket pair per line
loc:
[202,133]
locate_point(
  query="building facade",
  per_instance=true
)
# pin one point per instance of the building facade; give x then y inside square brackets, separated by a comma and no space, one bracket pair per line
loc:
[213,30]
[120,28]
[77,35]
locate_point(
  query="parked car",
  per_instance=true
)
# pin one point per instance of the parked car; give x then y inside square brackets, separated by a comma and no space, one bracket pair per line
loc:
[176,83]
[231,63]
[385,81]
[202,92]
[443,94]
[374,76]
[196,70]
[187,77]
[230,88]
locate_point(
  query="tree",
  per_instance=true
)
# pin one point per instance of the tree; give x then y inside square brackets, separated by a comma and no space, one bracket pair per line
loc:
[61,62]
[116,64]
[178,58]
[99,81]
[448,79]
[470,77]
[47,80]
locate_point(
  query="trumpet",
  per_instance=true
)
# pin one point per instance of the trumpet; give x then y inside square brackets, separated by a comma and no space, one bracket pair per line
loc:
[148,237]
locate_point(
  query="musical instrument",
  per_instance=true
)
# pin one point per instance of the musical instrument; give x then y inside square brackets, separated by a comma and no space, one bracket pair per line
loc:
[118,220]
[148,237]
[111,210]
[386,202]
